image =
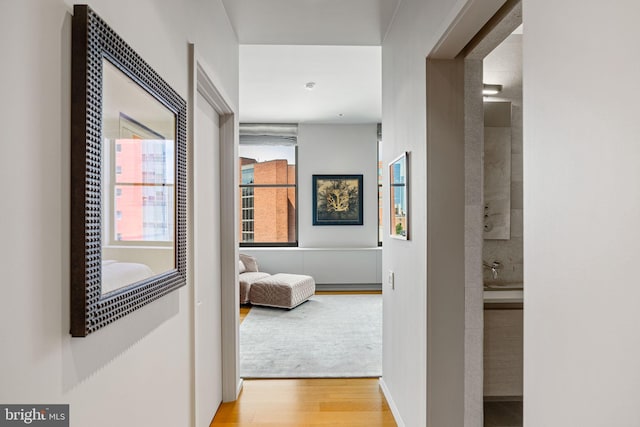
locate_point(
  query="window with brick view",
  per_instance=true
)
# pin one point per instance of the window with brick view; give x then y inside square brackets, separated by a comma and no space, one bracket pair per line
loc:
[268,196]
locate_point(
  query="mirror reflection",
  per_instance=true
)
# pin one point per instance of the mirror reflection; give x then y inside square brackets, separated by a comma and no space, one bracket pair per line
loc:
[138,183]
[399,204]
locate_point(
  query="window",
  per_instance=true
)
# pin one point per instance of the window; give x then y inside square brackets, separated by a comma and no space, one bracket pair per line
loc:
[268,192]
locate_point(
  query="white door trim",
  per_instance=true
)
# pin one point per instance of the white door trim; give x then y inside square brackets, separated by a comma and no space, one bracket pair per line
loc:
[204,83]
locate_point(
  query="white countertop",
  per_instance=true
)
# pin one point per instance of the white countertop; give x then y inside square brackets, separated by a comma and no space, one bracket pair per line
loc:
[503,293]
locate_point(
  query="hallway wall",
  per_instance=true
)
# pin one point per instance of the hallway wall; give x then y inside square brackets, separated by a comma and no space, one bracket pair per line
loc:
[138,370]
[582,204]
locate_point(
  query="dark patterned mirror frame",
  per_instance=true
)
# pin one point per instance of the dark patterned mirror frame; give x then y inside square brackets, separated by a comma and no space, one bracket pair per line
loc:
[93,40]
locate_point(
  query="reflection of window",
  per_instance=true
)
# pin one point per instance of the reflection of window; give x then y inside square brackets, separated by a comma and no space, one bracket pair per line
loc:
[144,190]
[399,213]
[398,197]
[380,225]
[268,194]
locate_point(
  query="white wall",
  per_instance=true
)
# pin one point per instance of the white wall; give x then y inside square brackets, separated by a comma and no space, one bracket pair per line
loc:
[581,233]
[138,370]
[338,149]
[328,266]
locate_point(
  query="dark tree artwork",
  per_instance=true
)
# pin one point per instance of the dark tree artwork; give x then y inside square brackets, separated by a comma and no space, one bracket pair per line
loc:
[337,200]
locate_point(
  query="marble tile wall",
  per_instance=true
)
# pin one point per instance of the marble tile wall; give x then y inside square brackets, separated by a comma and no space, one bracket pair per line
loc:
[497,181]
[504,66]
[509,252]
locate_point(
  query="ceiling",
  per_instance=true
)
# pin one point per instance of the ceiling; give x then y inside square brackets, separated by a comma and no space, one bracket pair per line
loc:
[311,22]
[288,43]
[503,66]
[348,84]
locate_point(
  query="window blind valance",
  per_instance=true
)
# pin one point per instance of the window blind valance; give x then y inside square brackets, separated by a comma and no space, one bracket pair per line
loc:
[268,134]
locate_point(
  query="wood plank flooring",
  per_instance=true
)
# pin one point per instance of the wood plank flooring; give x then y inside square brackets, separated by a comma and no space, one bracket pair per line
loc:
[354,402]
[244,310]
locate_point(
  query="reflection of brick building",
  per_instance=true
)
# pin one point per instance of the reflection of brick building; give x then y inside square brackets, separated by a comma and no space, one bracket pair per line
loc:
[380,225]
[398,213]
[143,190]
[268,211]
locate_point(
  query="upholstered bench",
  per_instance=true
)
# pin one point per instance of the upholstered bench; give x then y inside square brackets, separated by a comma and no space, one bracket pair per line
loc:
[282,290]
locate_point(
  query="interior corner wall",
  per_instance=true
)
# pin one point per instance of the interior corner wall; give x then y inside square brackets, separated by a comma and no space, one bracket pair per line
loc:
[581,233]
[138,370]
[337,149]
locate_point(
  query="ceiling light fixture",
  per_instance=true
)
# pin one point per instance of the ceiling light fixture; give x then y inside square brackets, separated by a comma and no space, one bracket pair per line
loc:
[491,89]
[310,85]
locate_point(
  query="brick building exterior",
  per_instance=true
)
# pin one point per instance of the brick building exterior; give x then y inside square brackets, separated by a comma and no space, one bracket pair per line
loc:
[267,214]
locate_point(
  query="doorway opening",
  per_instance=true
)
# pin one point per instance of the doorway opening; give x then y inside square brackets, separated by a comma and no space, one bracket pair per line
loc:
[307,122]
[213,251]
[456,220]
[502,250]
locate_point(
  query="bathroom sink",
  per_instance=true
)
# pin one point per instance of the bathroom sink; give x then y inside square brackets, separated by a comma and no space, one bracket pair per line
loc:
[503,286]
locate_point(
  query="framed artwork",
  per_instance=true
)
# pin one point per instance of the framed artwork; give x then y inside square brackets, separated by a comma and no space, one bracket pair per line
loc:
[399,197]
[337,200]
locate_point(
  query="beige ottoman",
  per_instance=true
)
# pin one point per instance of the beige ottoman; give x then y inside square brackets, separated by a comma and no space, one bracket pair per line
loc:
[246,280]
[282,290]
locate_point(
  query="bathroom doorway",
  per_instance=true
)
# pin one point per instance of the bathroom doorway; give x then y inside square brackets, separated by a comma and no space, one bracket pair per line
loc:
[457,216]
[502,250]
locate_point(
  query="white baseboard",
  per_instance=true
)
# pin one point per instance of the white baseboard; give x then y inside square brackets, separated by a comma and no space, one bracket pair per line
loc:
[348,287]
[391,403]
[239,388]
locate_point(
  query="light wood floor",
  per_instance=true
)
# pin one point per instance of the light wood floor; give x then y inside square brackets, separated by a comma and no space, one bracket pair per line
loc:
[354,402]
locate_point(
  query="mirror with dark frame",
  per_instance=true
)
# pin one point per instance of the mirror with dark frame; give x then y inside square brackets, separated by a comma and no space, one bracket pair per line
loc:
[128,179]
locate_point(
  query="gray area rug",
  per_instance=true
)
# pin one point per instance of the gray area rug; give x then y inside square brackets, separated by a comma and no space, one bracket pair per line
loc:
[326,337]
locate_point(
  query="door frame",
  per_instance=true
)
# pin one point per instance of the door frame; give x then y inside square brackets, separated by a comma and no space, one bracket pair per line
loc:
[204,82]
[455,137]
